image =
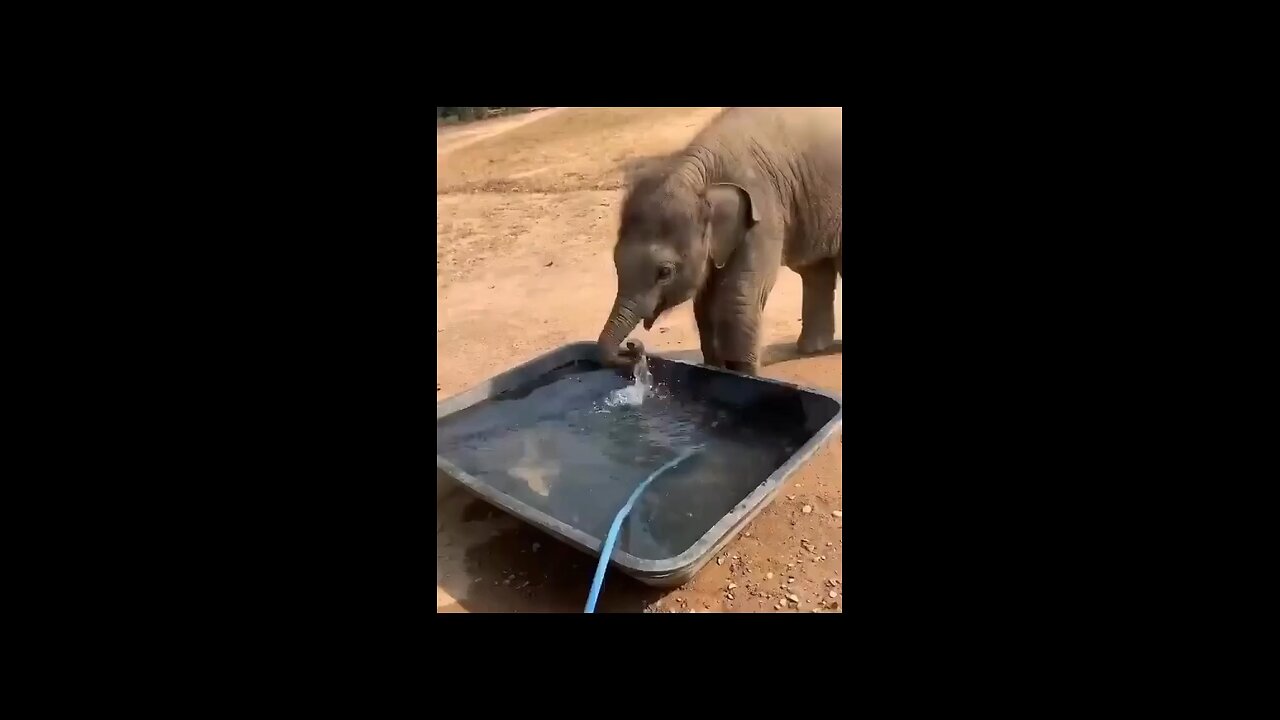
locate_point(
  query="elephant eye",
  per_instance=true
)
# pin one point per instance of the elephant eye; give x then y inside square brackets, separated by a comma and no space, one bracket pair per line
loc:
[664,273]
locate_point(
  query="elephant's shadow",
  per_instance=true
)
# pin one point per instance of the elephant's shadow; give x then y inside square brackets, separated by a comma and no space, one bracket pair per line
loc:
[769,355]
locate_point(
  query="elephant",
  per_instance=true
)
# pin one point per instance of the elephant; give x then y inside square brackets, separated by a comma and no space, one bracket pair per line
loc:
[756,189]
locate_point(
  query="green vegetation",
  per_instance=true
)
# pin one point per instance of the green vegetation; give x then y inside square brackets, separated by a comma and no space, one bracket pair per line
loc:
[446,115]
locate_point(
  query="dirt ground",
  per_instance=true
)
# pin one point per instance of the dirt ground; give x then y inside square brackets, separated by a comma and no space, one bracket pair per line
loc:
[526,218]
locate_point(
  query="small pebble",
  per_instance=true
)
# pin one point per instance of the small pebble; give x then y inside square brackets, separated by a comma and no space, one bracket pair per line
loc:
[729,595]
[794,598]
[768,576]
[790,580]
[831,594]
[837,513]
[732,585]
[828,544]
[816,609]
[777,607]
[807,509]
[746,534]
[791,497]
[791,564]
[719,561]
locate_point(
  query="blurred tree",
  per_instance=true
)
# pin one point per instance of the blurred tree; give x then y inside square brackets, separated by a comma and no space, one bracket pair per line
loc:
[465,114]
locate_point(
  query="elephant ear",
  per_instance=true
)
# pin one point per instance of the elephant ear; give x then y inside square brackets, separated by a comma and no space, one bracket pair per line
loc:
[732,213]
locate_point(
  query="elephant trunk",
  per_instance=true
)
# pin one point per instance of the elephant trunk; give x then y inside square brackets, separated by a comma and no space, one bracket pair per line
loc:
[623,318]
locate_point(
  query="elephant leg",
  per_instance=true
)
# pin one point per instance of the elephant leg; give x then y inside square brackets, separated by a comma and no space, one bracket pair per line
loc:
[742,289]
[738,312]
[702,314]
[817,313]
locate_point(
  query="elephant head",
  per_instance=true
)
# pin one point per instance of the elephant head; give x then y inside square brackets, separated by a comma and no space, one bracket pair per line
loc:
[671,233]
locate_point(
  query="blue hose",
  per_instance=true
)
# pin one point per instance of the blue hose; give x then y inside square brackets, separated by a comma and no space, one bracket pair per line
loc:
[606,550]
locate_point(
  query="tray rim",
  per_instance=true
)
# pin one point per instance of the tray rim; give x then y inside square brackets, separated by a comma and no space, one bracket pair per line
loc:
[664,571]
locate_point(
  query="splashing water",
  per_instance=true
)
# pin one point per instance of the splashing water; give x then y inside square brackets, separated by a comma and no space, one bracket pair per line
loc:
[634,393]
[642,372]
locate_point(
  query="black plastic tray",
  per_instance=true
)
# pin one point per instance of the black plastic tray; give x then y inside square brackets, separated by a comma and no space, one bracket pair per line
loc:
[821,413]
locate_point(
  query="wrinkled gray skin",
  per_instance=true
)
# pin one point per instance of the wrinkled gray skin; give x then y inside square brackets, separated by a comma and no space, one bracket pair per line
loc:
[758,188]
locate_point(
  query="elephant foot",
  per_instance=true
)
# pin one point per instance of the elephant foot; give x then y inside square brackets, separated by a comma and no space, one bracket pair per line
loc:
[746,368]
[810,343]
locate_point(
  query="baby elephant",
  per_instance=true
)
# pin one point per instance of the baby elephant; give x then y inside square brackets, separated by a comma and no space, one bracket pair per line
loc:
[756,189]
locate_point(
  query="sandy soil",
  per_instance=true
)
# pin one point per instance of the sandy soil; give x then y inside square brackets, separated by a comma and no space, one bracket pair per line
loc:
[526,220]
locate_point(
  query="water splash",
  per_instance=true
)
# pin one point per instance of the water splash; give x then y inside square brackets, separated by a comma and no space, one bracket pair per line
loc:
[633,394]
[642,372]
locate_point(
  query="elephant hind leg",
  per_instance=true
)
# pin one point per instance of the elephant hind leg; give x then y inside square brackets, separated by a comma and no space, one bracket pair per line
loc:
[817,313]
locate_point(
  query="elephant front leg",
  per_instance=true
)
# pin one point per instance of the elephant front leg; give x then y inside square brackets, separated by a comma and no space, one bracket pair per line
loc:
[739,311]
[702,314]
[817,312]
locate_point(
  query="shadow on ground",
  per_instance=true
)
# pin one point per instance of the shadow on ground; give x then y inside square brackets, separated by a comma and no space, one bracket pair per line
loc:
[770,354]
[516,568]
